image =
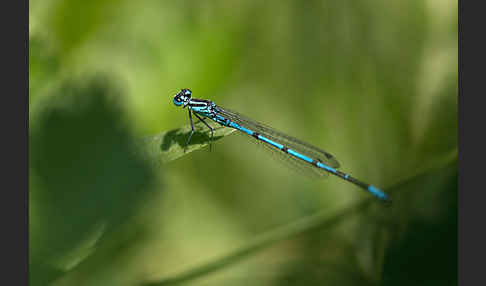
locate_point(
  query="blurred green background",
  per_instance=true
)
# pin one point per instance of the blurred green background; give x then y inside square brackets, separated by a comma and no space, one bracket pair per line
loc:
[372,82]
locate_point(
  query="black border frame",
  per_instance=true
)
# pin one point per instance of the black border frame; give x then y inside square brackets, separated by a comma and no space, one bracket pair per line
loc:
[471,191]
[15,145]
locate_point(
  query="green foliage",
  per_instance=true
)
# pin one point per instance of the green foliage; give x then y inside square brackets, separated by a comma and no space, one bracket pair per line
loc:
[404,261]
[43,65]
[88,177]
[425,252]
[168,146]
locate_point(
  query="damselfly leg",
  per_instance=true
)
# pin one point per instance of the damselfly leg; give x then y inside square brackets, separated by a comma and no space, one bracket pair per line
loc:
[211,129]
[192,131]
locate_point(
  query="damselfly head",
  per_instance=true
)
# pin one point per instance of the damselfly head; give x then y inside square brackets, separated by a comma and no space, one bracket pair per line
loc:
[182,97]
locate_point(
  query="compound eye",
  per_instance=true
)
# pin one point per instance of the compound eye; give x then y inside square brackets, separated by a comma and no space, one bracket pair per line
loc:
[178,99]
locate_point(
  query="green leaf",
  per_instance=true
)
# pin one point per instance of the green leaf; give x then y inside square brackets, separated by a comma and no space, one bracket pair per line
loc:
[169,145]
[87,177]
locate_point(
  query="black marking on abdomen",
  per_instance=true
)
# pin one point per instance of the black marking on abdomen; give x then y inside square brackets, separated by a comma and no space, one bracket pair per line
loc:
[352,180]
[314,162]
[285,149]
[341,174]
[255,134]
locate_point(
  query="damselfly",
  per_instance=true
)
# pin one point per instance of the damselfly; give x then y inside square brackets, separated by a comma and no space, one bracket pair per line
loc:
[307,156]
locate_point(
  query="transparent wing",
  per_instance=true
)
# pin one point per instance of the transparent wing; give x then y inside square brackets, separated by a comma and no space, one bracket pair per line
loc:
[286,140]
[303,168]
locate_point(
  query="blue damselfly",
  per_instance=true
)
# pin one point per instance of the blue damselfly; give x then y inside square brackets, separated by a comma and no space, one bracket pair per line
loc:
[309,157]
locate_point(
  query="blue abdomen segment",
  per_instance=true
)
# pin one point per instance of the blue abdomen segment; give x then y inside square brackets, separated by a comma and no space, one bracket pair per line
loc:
[313,161]
[378,193]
